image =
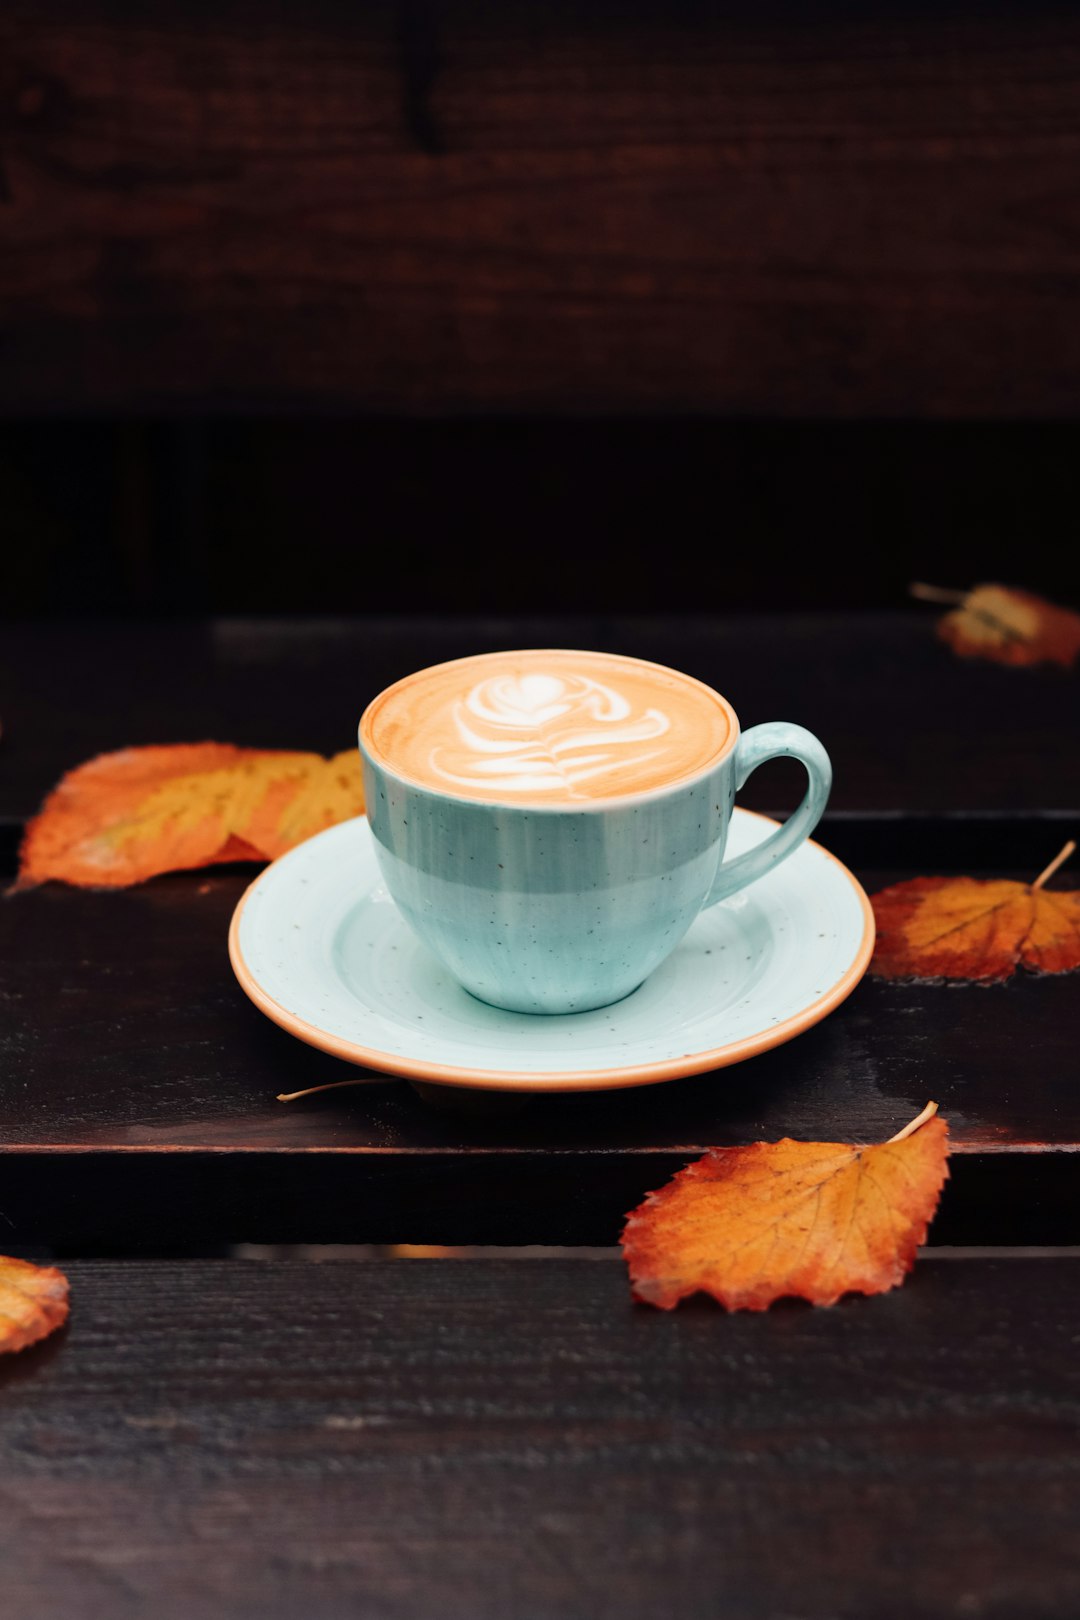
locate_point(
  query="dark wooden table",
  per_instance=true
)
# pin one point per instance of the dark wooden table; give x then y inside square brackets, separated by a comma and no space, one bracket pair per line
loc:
[515,1439]
[138,1104]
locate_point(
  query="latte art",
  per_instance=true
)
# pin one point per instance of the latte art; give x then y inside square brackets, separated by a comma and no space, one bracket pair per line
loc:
[545,733]
[547,727]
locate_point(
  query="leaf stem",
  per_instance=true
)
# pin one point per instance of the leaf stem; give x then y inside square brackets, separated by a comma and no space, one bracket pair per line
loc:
[1059,860]
[936,593]
[920,1119]
[331,1085]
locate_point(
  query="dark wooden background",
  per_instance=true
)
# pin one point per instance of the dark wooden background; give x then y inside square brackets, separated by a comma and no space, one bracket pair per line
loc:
[538,206]
[364,306]
[545,269]
[366,515]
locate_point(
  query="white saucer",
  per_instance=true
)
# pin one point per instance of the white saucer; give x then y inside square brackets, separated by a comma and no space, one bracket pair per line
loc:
[320,947]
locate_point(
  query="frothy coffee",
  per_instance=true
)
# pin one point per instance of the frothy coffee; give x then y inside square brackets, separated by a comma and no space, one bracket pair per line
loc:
[547,727]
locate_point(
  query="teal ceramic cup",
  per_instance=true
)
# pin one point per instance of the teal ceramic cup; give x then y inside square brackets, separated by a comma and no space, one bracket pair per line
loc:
[566,907]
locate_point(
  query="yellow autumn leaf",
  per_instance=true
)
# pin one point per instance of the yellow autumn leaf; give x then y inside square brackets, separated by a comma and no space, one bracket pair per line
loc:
[128,816]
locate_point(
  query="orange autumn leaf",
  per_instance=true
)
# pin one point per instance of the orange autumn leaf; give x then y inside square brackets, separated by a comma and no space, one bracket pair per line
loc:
[33,1302]
[1008,625]
[817,1220]
[976,929]
[128,816]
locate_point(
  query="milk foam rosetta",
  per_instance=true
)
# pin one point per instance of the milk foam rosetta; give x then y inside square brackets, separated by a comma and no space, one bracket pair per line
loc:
[547,727]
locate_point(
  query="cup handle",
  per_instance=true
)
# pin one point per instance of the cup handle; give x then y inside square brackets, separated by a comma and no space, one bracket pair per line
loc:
[774,740]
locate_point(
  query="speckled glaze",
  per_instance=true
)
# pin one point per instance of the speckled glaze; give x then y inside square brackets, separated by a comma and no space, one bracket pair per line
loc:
[562,909]
[321,948]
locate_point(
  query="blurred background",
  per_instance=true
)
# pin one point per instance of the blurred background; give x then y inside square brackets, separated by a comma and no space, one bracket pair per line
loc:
[542,306]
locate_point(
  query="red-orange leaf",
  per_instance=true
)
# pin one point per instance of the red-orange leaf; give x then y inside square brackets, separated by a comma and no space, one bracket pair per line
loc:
[125,817]
[33,1302]
[1008,625]
[974,929]
[816,1220]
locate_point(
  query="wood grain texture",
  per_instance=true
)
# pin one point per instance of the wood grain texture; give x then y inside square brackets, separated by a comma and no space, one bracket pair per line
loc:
[138,1105]
[537,206]
[516,1440]
[137,1098]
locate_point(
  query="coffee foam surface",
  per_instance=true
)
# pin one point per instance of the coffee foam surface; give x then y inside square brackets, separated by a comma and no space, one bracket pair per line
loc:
[547,727]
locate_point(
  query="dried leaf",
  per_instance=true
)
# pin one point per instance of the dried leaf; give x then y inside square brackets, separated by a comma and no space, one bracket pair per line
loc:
[751,1225]
[33,1302]
[976,930]
[1010,626]
[127,816]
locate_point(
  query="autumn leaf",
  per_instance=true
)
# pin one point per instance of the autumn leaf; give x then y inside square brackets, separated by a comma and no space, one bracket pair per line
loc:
[1010,626]
[750,1225]
[33,1302]
[975,929]
[127,816]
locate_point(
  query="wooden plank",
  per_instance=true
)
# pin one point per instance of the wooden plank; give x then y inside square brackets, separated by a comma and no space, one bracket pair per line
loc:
[515,1439]
[138,1107]
[137,1095]
[541,207]
[909,726]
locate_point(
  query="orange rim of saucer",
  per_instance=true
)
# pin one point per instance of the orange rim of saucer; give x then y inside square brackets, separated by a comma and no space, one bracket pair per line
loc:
[638,1074]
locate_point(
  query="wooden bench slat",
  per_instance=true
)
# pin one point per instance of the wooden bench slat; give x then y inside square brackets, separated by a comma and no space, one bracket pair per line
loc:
[536,207]
[137,1099]
[492,1439]
[138,1106]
